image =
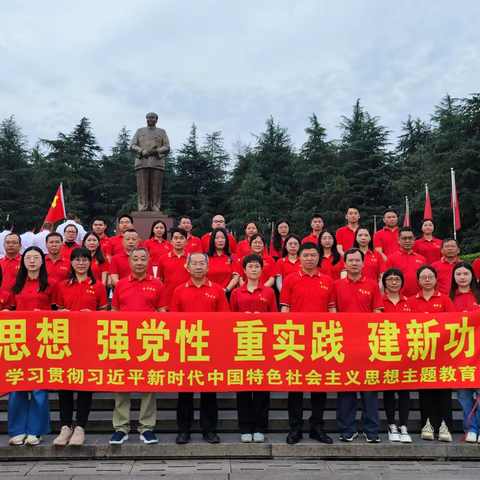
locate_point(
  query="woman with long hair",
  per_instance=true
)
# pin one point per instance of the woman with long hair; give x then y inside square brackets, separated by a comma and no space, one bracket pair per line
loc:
[394,301]
[465,295]
[435,404]
[243,247]
[428,246]
[157,244]
[280,231]
[373,264]
[331,262]
[290,262]
[81,293]
[269,270]
[29,419]
[99,263]
[223,267]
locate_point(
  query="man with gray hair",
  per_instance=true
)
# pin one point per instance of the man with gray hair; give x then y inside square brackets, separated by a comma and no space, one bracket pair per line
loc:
[138,292]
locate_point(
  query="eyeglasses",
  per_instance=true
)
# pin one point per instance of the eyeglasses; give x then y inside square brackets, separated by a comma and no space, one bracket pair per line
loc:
[393,280]
[12,243]
[426,277]
[406,239]
[36,258]
[80,260]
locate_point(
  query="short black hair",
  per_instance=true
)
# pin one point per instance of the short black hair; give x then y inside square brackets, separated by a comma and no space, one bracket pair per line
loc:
[12,233]
[392,271]
[353,207]
[388,210]
[71,214]
[255,236]
[125,215]
[187,217]
[252,257]
[428,220]
[100,219]
[308,246]
[405,229]
[316,215]
[450,239]
[53,234]
[70,225]
[181,231]
[7,225]
[351,251]
[30,226]
[426,267]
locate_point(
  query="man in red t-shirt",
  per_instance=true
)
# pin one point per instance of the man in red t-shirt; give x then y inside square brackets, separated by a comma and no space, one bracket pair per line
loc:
[120,265]
[194,244]
[346,235]
[407,261]
[355,294]
[198,294]
[10,263]
[307,290]
[317,226]
[385,240]
[58,267]
[115,245]
[444,267]
[139,292]
[219,222]
[99,226]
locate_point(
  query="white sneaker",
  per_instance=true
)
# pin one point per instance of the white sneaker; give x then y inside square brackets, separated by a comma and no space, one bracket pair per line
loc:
[427,431]
[393,434]
[64,437]
[78,437]
[443,434]
[18,439]
[33,440]
[471,437]
[246,438]
[404,436]
[258,437]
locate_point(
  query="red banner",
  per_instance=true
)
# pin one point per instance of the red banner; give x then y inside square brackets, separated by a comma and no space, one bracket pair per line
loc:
[171,352]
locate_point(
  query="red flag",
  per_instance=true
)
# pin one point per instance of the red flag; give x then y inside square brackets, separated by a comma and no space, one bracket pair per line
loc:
[428,206]
[454,204]
[57,208]
[406,222]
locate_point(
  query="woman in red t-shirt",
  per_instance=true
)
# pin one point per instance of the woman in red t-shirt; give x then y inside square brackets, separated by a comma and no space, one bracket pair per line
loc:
[157,244]
[331,262]
[243,247]
[428,246]
[100,264]
[466,298]
[269,270]
[29,419]
[290,262]
[373,264]
[280,231]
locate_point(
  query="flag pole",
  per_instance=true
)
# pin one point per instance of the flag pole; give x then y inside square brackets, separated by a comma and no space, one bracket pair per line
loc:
[374,224]
[454,202]
[426,190]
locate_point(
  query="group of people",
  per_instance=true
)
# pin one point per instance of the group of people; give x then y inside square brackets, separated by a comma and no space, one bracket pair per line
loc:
[350,270]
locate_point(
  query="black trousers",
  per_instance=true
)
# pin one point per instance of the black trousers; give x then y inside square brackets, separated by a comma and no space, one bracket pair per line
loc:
[403,406]
[252,408]
[436,405]
[208,412]
[295,409]
[84,404]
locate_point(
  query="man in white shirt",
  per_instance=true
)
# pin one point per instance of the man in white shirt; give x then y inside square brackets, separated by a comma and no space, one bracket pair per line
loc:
[7,228]
[71,220]
[28,237]
[40,238]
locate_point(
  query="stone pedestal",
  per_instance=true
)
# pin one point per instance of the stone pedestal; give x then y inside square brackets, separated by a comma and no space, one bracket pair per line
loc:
[142,223]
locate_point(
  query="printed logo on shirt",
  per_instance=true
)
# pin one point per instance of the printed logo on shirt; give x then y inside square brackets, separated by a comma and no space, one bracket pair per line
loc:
[92,292]
[437,305]
[418,261]
[325,287]
[364,292]
[262,298]
[63,268]
[210,296]
[373,259]
[152,289]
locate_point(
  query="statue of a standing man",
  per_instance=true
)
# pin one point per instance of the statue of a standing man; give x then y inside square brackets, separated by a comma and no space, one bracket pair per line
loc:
[150,145]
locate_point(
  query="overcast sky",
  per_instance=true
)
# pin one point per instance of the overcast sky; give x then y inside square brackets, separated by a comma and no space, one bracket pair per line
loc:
[228,65]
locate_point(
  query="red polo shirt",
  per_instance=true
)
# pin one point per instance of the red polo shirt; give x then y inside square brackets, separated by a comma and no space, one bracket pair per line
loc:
[59,270]
[476,267]
[76,296]
[221,268]
[465,302]
[387,240]
[437,303]
[304,293]
[31,299]
[373,265]
[444,274]
[209,297]
[357,297]
[115,245]
[333,271]
[390,307]
[345,237]
[430,249]
[97,269]
[10,269]
[276,253]
[174,272]
[285,267]
[311,238]
[157,249]
[408,264]
[262,299]
[67,251]
[194,244]
[231,242]
[269,268]
[134,295]
[6,299]
[120,265]
[104,241]
[243,248]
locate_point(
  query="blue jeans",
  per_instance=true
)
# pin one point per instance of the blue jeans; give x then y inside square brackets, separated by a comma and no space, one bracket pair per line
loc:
[30,416]
[347,410]
[467,401]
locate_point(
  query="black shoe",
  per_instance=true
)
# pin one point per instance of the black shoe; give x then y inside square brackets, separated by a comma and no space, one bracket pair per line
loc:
[211,437]
[182,438]
[318,434]
[294,437]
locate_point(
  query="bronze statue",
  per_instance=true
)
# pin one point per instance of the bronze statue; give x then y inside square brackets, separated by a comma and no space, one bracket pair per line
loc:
[150,145]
